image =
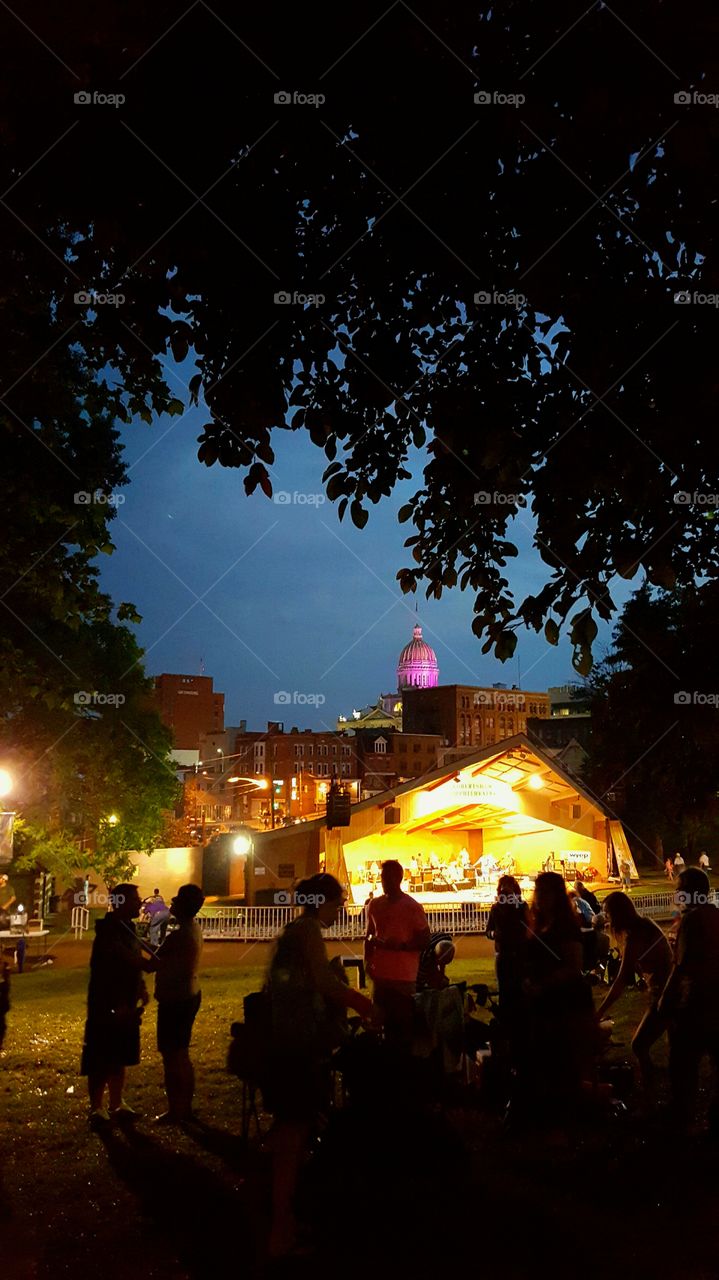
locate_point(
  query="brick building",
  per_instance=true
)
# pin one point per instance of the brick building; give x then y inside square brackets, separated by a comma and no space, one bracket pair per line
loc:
[293,769]
[386,757]
[189,706]
[468,716]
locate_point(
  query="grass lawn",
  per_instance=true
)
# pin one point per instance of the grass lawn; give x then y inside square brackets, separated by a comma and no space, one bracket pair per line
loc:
[164,1205]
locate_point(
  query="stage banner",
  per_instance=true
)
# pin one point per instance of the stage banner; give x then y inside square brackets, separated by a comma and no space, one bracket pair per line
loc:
[335,864]
[7,821]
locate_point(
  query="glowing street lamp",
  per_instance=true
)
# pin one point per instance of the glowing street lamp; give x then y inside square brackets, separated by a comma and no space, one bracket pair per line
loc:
[242,844]
[112,820]
[6,783]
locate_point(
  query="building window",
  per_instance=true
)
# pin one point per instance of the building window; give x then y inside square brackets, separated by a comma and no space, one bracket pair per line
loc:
[346,751]
[310,750]
[417,747]
[334,751]
[380,746]
[259,748]
[299,750]
[322,750]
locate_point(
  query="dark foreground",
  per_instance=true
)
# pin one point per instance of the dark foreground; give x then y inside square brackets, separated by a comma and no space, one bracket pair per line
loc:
[400,1188]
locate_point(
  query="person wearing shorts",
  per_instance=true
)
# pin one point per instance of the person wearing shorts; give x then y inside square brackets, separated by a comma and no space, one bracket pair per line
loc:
[178,995]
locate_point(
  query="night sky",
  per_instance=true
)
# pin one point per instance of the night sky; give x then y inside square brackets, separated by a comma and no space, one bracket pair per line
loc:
[291,600]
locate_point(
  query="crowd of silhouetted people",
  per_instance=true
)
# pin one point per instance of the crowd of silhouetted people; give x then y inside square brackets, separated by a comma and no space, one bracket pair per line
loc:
[548,1037]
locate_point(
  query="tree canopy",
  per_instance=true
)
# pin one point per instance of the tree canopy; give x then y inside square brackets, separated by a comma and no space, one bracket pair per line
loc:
[655,721]
[93,778]
[460,230]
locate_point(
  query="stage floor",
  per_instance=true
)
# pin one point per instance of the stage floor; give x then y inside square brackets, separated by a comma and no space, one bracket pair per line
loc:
[483,894]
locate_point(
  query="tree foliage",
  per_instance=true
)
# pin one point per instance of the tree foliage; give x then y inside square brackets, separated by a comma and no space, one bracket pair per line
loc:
[583,406]
[99,751]
[655,720]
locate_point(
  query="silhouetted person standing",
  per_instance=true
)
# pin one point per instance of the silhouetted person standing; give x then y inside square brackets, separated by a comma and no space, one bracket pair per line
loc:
[561,1026]
[178,995]
[508,927]
[115,998]
[397,932]
[691,996]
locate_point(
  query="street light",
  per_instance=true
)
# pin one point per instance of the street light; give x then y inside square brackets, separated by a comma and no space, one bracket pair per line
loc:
[6,782]
[112,820]
[243,847]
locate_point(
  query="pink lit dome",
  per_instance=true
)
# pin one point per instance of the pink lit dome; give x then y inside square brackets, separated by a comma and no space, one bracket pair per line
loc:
[417,667]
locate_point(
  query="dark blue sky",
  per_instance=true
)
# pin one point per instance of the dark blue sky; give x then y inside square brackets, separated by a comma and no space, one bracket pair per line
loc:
[292,600]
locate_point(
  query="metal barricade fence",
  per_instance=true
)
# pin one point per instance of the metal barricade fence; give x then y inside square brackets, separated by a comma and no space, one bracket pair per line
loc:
[79,921]
[261,924]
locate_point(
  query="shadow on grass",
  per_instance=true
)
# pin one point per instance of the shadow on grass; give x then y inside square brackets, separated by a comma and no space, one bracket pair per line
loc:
[212,1225]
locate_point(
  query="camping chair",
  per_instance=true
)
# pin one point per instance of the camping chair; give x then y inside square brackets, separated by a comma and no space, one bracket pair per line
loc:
[247,1054]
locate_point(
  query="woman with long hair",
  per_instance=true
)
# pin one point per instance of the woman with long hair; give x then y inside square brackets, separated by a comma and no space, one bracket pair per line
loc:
[561,1029]
[508,928]
[645,951]
[307,1002]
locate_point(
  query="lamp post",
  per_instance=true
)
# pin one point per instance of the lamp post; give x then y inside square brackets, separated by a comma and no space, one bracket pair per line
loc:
[7,819]
[243,846]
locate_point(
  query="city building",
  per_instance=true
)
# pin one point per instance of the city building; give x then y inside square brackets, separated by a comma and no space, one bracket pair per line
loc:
[189,706]
[468,716]
[417,668]
[568,728]
[507,807]
[278,775]
[386,757]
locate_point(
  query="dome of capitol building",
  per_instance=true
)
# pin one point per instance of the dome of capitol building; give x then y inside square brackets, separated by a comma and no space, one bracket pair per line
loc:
[417,667]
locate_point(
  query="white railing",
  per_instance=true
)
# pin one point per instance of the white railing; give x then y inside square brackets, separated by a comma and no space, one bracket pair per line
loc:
[260,924]
[79,921]
[661,906]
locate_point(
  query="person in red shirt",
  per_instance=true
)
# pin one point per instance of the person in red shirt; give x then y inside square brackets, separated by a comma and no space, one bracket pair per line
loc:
[397,931]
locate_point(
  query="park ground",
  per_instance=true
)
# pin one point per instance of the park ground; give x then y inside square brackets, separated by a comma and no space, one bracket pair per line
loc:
[444,1189]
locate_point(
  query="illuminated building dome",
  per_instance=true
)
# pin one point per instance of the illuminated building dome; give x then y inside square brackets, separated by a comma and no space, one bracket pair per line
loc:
[417,667]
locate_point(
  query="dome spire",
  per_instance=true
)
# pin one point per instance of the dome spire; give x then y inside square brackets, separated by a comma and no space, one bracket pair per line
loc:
[417,667]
